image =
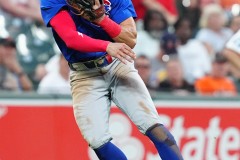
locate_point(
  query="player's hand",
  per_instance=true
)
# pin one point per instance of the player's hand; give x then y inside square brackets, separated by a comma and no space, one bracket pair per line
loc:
[121,51]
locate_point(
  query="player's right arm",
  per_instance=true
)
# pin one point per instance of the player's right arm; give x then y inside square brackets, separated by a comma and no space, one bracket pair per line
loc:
[65,27]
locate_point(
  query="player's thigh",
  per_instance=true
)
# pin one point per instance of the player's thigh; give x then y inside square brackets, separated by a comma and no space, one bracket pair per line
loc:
[132,96]
[91,107]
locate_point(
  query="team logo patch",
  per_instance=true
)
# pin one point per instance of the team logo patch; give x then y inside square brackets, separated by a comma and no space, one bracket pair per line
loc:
[107,5]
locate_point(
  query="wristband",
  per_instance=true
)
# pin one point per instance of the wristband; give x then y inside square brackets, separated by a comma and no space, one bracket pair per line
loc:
[112,28]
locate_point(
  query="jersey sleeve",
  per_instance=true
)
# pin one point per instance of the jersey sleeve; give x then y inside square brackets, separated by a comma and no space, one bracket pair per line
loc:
[121,10]
[234,43]
[49,8]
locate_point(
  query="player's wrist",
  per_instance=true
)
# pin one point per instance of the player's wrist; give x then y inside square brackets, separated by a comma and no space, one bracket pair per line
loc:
[104,45]
[112,28]
[100,19]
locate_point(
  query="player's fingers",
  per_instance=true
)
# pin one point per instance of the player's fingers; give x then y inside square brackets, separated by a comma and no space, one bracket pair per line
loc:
[126,57]
[128,53]
[124,54]
[121,58]
[127,50]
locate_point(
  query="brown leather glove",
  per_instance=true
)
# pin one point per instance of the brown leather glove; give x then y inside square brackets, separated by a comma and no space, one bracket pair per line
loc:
[84,8]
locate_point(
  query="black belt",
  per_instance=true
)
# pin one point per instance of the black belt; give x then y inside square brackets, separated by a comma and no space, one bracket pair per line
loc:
[96,63]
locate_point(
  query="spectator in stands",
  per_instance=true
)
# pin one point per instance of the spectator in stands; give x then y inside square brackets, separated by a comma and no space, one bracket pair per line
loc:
[193,55]
[232,52]
[192,11]
[217,83]
[213,33]
[205,3]
[18,14]
[23,9]
[166,7]
[227,4]
[43,69]
[143,65]
[12,75]
[175,82]
[22,20]
[168,45]
[148,39]
[235,23]
[56,81]
[234,71]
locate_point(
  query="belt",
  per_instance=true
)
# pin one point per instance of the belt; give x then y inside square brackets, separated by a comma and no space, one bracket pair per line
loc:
[96,63]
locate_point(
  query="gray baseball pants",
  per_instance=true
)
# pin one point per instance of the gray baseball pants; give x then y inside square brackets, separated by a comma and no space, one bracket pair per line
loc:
[92,93]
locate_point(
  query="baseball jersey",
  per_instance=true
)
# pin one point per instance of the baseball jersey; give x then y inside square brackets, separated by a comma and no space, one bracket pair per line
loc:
[117,10]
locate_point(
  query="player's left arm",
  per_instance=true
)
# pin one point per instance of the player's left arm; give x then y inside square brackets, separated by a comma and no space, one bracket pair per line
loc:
[125,32]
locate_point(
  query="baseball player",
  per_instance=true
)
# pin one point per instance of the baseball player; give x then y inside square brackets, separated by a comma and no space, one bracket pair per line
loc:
[96,38]
[232,50]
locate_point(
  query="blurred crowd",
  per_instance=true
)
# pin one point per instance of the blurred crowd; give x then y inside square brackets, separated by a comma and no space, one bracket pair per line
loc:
[179,48]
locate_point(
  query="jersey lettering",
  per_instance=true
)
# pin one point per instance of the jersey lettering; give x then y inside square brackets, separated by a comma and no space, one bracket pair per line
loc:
[107,5]
[80,34]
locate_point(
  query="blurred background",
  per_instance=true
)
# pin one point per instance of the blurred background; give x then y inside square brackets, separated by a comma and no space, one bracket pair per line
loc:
[179,57]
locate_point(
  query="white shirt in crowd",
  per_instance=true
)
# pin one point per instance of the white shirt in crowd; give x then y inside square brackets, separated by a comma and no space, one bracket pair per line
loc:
[54,83]
[147,45]
[214,39]
[195,60]
[53,63]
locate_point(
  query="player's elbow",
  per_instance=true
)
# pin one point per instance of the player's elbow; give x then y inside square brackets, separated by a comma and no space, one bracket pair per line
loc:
[70,43]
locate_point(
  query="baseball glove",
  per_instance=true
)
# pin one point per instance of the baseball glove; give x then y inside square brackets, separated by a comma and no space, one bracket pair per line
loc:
[84,8]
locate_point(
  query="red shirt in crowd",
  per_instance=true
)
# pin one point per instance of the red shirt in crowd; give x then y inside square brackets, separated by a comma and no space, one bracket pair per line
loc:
[141,9]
